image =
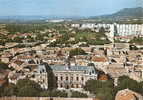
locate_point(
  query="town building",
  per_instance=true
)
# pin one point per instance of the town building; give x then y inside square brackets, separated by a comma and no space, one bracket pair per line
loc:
[114,29]
[73,77]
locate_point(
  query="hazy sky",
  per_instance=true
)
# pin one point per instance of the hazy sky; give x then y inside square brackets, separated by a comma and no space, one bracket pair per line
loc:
[65,7]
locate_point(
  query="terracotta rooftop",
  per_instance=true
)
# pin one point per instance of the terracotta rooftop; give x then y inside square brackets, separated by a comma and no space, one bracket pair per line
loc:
[18,62]
[25,57]
[103,77]
[99,59]
[128,95]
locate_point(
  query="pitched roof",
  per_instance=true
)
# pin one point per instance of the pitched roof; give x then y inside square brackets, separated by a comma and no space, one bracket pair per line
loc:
[72,68]
[99,59]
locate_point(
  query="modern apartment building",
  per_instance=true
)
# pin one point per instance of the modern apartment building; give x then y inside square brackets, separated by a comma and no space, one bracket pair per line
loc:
[114,29]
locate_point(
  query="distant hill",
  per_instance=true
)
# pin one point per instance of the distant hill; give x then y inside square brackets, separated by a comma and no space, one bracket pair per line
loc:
[35,18]
[126,13]
[129,12]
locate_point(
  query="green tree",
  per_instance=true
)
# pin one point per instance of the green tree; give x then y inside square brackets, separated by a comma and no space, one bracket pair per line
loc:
[77,94]
[103,90]
[28,91]
[138,40]
[57,93]
[9,90]
[53,44]
[93,85]
[141,87]
[1,91]
[53,93]
[28,88]
[52,82]
[77,51]
[90,64]
[105,93]
[3,66]
[18,39]
[125,82]
[44,94]
[102,30]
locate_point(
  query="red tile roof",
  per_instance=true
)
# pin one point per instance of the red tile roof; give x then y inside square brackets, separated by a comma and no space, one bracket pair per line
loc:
[99,59]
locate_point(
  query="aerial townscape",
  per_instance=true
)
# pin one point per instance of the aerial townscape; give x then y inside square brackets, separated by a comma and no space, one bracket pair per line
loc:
[72,58]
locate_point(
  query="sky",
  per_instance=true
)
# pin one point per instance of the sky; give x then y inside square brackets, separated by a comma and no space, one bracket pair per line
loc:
[65,7]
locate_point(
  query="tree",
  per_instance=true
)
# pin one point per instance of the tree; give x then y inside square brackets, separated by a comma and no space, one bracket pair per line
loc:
[9,90]
[53,44]
[28,91]
[93,85]
[1,91]
[102,30]
[105,93]
[103,90]
[27,82]
[77,51]
[141,87]
[44,94]
[90,64]
[77,94]
[27,88]
[3,65]
[125,82]
[138,40]
[18,39]
[56,93]
[53,93]
[52,82]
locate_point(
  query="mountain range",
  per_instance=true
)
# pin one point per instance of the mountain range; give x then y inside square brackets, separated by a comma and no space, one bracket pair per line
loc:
[126,13]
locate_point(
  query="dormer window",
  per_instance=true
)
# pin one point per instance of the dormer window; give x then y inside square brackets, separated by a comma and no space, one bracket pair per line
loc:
[92,71]
[43,70]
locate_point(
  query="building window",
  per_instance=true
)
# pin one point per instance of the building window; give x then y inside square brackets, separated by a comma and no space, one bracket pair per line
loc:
[77,78]
[82,78]
[43,70]
[67,87]
[72,86]
[66,78]
[56,78]
[61,78]
[71,78]
[61,85]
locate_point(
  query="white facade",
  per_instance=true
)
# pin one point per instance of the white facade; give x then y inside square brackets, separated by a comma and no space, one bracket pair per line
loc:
[115,29]
[73,77]
[129,29]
